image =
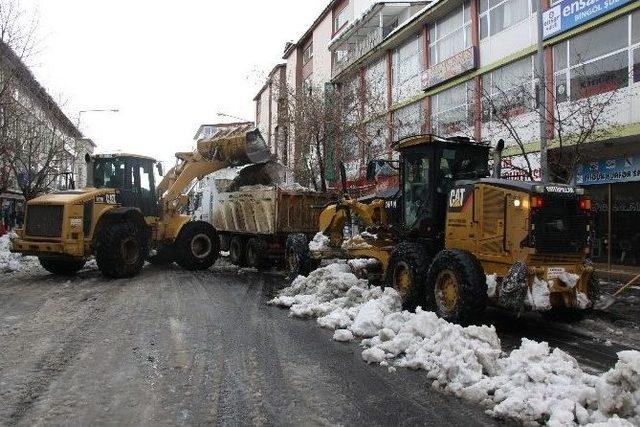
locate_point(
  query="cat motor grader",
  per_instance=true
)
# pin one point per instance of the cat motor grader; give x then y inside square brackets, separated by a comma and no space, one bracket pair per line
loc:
[123,218]
[451,229]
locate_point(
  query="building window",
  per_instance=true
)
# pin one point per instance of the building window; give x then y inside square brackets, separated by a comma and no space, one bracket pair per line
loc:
[408,120]
[307,54]
[508,91]
[498,15]
[407,65]
[453,110]
[450,35]
[258,108]
[598,61]
[340,18]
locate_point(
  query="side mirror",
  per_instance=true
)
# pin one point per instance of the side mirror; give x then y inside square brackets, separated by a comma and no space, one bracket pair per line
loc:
[87,158]
[159,167]
[343,177]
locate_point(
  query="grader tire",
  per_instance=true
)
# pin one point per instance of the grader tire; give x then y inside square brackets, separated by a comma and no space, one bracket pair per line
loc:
[297,256]
[407,273]
[457,286]
[197,246]
[237,252]
[255,253]
[61,267]
[120,250]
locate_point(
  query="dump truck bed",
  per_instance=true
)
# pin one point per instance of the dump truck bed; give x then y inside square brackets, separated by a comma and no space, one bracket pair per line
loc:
[269,211]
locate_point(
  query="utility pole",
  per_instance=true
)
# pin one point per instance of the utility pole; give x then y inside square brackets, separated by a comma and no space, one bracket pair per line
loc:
[542,98]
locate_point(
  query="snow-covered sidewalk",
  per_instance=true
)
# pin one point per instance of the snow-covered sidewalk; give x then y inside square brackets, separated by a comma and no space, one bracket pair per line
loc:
[14,262]
[533,383]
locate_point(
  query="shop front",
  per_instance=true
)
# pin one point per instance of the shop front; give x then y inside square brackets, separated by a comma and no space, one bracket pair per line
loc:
[614,187]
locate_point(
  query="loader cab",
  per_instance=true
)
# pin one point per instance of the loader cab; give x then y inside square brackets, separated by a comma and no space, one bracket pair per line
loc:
[429,167]
[133,177]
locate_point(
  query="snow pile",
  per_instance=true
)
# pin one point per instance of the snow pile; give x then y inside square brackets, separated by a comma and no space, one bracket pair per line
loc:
[320,242]
[533,383]
[356,242]
[13,262]
[538,297]
[492,284]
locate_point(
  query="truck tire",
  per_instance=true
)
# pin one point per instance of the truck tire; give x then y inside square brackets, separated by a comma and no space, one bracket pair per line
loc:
[457,287]
[255,253]
[197,246]
[237,252]
[120,250]
[407,273]
[165,256]
[297,256]
[62,267]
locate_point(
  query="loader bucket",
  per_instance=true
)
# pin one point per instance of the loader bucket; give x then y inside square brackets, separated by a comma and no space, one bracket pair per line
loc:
[235,150]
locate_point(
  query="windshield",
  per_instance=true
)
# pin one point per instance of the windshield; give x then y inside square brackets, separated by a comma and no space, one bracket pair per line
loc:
[109,173]
[416,190]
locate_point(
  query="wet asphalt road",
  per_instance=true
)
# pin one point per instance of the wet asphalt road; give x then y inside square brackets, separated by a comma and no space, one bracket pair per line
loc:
[171,347]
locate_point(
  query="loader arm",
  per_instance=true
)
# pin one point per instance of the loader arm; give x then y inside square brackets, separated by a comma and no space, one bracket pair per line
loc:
[211,155]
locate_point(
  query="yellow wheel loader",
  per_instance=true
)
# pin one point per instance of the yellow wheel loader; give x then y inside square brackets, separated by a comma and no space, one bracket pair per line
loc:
[454,240]
[123,218]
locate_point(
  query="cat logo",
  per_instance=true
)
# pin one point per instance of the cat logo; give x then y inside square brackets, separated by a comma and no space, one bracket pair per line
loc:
[456,200]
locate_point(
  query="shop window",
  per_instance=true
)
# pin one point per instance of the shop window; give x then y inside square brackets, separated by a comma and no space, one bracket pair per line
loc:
[453,110]
[601,41]
[509,90]
[595,62]
[600,76]
[636,65]
[498,15]
[450,35]
[407,65]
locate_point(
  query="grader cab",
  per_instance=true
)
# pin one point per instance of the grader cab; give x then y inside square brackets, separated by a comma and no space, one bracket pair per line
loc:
[461,240]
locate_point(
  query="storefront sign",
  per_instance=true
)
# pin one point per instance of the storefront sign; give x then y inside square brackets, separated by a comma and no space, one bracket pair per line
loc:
[625,169]
[458,64]
[570,13]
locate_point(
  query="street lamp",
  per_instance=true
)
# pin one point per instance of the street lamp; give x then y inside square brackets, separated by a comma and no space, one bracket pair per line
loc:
[233,117]
[81,112]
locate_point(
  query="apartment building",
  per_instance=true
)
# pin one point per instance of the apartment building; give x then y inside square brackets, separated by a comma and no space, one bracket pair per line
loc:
[460,67]
[41,141]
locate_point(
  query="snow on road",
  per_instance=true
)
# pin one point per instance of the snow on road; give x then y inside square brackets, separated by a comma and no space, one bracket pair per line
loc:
[533,383]
[14,262]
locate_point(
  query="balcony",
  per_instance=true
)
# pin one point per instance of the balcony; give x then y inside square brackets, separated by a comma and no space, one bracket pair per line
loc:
[366,32]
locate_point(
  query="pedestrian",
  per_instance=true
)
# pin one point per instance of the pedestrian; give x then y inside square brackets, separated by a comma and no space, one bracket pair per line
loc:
[19,217]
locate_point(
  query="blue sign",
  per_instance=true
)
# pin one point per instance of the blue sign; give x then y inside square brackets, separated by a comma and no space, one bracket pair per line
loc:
[570,13]
[610,171]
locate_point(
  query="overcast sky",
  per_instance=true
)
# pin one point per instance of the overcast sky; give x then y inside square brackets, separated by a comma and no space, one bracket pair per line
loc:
[168,66]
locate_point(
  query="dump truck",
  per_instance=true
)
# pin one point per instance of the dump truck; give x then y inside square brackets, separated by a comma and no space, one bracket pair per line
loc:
[255,221]
[123,218]
[461,240]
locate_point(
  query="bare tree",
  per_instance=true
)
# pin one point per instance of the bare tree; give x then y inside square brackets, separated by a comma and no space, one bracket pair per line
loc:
[33,151]
[510,106]
[331,125]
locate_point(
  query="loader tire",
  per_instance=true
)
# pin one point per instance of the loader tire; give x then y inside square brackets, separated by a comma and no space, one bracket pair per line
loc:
[165,256]
[297,256]
[457,286]
[197,246]
[121,250]
[255,254]
[407,273]
[237,252]
[61,267]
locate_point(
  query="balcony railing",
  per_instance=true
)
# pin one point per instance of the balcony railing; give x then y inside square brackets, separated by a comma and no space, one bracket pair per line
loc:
[357,50]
